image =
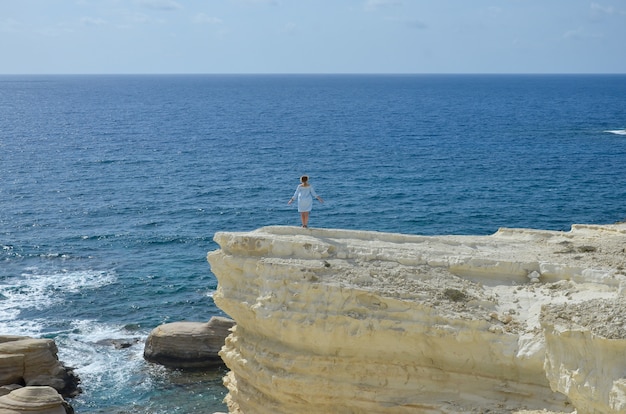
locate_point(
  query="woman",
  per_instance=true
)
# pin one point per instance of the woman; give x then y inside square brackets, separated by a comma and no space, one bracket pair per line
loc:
[304,194]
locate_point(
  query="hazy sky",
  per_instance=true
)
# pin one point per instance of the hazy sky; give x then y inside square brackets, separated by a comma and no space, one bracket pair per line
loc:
[312,36]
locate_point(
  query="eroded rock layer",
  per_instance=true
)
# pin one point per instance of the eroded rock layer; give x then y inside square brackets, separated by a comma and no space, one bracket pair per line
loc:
[362,322]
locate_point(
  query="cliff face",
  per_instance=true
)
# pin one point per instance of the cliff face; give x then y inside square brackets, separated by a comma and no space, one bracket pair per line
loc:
[335,321]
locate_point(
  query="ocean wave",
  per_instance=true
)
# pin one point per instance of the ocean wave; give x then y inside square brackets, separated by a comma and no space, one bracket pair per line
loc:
[10,325]
[39,289]
[8,252]
[117,377]
[108,358]
[617,131]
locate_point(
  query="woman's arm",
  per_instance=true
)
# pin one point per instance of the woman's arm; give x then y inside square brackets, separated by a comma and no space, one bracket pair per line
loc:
[295,195]
[314,194]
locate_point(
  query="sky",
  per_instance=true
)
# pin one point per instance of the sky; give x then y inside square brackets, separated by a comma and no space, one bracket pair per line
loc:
[312,36]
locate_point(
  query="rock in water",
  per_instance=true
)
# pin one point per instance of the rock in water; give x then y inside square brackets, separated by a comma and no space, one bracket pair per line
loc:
[33,400]
[30,361]
[188,345]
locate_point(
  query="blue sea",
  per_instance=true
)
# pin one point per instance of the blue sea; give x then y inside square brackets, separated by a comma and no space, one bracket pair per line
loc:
[112,187]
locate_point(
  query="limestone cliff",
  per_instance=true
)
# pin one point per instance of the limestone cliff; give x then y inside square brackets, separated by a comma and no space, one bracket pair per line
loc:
[337,321]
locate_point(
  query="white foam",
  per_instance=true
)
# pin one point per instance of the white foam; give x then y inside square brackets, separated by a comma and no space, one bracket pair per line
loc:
[36,289]
[95,332]
[13,326]
[617,131]
[88,348]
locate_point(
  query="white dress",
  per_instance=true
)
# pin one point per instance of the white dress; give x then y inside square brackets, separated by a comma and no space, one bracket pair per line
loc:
[304,195]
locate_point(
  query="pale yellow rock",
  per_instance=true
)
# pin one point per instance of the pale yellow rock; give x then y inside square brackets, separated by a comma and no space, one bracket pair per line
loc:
[10,338]
[11,368]
[11,365]
[39,356]
[25,360]
[586,357]
[32,400]
[188,344]
[366,322]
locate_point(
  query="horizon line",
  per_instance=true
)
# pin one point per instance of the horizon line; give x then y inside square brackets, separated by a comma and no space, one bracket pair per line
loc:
[312,73]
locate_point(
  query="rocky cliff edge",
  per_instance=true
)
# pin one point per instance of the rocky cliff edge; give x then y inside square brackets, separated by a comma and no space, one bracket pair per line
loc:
[338,321]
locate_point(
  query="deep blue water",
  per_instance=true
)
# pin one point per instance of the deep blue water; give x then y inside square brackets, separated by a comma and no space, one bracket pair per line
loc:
[111,188]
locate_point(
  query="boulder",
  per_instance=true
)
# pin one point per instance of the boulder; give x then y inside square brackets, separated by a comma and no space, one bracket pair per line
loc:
[11,368]
[33,400]
[5,389]
[29,361]
[188,345]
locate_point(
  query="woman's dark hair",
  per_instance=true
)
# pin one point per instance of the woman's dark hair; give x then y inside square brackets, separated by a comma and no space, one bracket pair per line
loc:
[304,178]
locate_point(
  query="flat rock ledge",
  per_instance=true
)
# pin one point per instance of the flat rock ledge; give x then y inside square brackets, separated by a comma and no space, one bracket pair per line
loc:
[364,322]
[188,345]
